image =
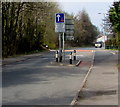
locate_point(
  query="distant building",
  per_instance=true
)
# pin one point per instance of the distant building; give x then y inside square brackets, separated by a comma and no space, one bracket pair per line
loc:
[101,38]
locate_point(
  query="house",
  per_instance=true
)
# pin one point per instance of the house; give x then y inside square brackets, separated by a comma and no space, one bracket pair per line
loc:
[101,38]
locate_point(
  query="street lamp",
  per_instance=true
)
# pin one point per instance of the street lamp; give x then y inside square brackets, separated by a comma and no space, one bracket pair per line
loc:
[104,26]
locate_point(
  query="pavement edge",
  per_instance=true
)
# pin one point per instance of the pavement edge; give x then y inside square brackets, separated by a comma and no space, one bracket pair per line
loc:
[75,99]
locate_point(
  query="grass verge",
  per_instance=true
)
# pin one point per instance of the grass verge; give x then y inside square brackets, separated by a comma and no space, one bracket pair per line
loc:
[118,67]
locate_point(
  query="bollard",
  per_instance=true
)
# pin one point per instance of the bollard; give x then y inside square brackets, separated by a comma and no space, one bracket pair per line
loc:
[71,58]
[74,55]
[60,60]
[56,56]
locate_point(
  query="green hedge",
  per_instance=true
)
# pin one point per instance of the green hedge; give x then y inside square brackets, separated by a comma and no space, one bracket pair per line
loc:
[111,44]
[111,47]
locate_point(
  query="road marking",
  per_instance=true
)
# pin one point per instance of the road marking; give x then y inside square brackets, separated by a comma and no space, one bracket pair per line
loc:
[78,55]
[79,50]
[75,99]
[84,50]
[76,50]
[79,62]
[52,50]
[113,53]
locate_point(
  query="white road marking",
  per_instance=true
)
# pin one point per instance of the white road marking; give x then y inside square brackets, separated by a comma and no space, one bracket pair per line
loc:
[113,53]
[77,55]
[52,50]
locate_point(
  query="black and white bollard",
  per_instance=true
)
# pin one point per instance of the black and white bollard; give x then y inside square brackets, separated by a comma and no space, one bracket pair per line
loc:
[74,55]
[56,55]
[71,58]
[60,56]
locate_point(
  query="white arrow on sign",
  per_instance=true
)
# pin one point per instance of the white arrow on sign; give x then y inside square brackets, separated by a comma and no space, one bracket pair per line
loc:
[58,17]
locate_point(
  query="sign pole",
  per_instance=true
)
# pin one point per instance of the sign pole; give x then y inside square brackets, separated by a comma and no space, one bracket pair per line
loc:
[59,44]
[60,48]
[63,46]
[60,28]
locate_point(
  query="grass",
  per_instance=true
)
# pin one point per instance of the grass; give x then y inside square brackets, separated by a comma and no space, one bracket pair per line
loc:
[118,65]
[113,49]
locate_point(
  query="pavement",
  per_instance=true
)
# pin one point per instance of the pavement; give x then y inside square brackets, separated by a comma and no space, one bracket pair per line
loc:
[101,87]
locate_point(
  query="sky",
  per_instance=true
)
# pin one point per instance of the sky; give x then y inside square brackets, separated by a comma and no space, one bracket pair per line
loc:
[92,7]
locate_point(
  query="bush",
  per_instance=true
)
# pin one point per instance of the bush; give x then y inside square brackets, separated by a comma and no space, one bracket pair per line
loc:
[111,44]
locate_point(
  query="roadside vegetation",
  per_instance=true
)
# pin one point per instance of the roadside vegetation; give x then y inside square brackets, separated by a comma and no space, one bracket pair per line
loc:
[114,18]
[28,27]
[85,31]
[111,44]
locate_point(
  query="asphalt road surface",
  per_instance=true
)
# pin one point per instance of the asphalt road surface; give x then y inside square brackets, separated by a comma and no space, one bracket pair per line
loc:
[40,81]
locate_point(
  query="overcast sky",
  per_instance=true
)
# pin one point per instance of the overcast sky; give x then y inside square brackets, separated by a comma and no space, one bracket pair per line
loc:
[91,7]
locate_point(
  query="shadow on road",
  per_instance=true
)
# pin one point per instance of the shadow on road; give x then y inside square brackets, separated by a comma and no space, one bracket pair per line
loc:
[29,75]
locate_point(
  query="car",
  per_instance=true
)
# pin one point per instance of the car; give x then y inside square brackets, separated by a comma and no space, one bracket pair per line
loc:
[98,44]
[46,46]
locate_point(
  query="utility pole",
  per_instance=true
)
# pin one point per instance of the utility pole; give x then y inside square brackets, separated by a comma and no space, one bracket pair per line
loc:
[104,34]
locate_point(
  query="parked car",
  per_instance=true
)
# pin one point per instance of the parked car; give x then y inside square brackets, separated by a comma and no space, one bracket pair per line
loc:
[98,44]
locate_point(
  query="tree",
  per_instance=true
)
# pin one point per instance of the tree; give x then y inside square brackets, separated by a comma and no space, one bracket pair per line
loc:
[85,31]
[0,30]
[27,26]
[10,20]
[114,16]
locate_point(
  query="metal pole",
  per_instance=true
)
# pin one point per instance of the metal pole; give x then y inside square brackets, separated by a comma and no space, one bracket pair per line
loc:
[63,46]
[104,31]
[59,43]
[70,58]
[60,48]
[103,28]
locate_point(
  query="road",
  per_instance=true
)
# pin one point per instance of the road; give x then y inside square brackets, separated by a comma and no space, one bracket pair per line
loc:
[41,81]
